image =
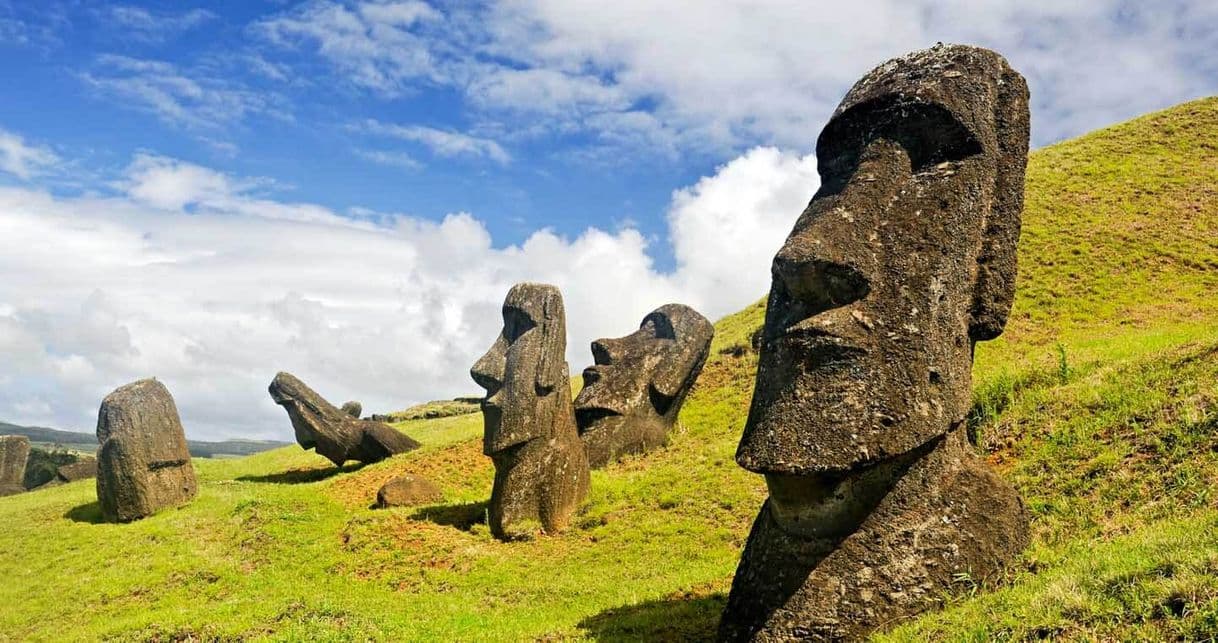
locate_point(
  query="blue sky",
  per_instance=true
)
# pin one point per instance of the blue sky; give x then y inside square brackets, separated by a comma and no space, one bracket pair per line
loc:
[211,192]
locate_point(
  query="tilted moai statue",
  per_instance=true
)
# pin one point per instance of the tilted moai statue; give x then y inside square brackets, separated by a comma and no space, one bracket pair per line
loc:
[636,387]
[14,454]
[143,463]
[541,470]
[333,432]
[902,261]
[352,408]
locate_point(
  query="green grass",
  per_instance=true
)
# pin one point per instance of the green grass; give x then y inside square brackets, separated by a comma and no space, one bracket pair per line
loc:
[1100,404]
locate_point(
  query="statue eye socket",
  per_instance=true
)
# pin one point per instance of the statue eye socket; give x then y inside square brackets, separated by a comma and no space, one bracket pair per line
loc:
[516,322]
[661,326]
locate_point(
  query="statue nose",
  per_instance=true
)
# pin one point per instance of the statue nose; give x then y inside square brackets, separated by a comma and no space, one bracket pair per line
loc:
[817,283]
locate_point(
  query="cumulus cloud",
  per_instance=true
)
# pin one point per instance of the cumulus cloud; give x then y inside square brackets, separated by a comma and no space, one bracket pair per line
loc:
[199,278]
[24,160]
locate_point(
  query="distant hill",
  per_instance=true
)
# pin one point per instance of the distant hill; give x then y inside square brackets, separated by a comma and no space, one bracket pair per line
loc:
[88,442]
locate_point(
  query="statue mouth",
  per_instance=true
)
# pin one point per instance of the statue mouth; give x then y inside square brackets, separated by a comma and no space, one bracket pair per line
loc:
[590,415]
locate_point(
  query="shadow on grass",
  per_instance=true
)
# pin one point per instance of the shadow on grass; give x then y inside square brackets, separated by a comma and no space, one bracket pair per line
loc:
[672,619]
[462,516]
[88,512]
[300,476]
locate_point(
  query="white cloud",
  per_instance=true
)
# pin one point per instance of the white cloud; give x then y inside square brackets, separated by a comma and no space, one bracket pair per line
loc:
[719,76]
[192,276]
[442,142]
[22,160]
[392,159]
[372,43]
[179,97]
[155,27]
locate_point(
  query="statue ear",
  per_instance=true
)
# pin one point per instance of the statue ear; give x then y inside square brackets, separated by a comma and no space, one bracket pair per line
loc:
[994,291]
[552,365]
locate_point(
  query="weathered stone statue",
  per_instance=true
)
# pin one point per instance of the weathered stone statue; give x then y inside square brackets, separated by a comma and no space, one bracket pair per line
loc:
[143,464]
[636,387]
[902,261]
[541,471]
[333,432]
[14,452]
[353,408]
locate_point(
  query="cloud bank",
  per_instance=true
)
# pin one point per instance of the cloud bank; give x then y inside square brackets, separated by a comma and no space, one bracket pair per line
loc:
[199,279]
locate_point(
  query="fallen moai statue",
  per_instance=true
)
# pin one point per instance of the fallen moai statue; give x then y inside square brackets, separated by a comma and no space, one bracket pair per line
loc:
[143,464]
[333,432]
[904,259]
[541,470]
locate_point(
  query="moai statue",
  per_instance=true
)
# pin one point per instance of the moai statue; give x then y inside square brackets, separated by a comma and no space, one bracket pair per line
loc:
[636,387]
[333,432]
[14,453]
[143,464]
[902,261]
[353,408]
[541,470]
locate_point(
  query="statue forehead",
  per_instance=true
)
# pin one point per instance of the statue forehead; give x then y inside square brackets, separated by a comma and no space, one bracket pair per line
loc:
[532,299]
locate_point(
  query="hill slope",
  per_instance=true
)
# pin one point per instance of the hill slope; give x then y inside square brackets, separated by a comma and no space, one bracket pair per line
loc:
[1100,404]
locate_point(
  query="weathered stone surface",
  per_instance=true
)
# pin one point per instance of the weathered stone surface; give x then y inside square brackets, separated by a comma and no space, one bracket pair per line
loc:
[333,432]
[634,391]
[541,470]
[353,408]
[902,261]
[143,464]
[14,451]
[408,491]
[82,469]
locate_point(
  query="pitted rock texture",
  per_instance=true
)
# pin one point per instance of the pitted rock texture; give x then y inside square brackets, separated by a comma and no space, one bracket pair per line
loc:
[408,491]
[637,384]
[333,432]
[904,258]
[541,470]
[14,452]
[143,464]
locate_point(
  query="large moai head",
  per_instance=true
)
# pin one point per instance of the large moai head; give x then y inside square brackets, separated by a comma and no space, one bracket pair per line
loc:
[903,259]
[525,370]
[637,384]
[143,463]
[338,434]
[541,469]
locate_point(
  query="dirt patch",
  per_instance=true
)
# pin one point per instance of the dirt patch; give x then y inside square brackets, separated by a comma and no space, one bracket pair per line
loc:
[454,469]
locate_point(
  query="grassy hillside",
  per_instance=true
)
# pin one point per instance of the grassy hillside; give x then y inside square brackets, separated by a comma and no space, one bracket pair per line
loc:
[1100,404]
